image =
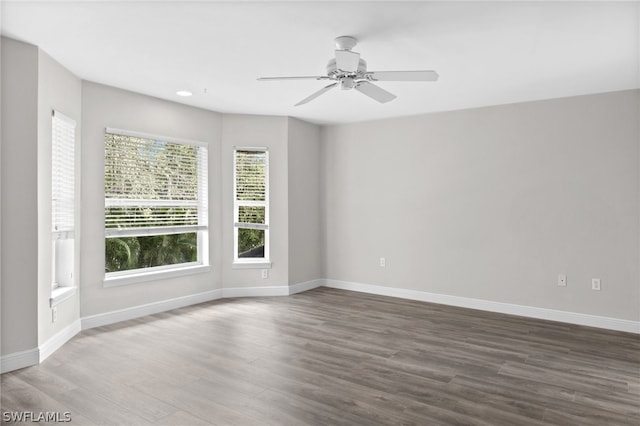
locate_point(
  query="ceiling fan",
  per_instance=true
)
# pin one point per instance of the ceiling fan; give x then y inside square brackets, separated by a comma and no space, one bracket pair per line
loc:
[350,72]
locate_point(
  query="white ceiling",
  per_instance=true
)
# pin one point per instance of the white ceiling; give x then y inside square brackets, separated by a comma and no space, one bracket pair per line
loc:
[486,53]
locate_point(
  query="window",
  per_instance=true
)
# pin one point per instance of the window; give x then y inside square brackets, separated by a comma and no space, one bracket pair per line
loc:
[156,208]
[63,131]
[251,206]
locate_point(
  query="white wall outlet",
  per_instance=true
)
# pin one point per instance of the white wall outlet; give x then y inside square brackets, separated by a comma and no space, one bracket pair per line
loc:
[265,274]
[54,314]
[562,280]
[383,262]
[595,284]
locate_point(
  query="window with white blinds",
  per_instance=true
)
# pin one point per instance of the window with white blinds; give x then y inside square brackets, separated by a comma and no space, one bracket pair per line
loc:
[62,174]
[251,204]
[154,187]
[63,130]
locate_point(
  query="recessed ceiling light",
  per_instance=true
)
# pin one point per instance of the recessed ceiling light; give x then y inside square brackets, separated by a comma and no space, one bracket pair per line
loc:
[183,93]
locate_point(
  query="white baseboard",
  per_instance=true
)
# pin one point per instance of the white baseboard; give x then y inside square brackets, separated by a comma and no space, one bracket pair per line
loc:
[34,356]
[307,285]
[19,360]
[148,309]
[180,302]
[491,306]
[59,339]
[282,290]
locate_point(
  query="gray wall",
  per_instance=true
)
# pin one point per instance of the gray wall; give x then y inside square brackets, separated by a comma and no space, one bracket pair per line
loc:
[304,202]
[19,196]
[492,203]
[260,131]
[104,106]
[60,90]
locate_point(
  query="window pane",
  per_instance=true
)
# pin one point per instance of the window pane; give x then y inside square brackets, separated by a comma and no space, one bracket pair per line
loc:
[251,175]
[251,204]
[147,169]
[250,214]
[122,254]
[250,243]
[62,173]
[62,200]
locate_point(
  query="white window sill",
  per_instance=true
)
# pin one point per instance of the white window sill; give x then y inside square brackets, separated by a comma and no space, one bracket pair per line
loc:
[120,278]
[60,294]
[257,264]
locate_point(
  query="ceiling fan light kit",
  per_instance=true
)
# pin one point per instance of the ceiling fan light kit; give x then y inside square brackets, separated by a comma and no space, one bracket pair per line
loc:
[349,71]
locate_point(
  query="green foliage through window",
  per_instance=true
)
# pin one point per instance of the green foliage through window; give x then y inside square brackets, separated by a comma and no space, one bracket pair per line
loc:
[125,253]
[250,242]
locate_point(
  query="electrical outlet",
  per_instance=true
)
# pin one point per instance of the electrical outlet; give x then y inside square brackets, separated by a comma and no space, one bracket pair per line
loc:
[595,284]
[383,262]
[562,280]
[54,314]
[265,274]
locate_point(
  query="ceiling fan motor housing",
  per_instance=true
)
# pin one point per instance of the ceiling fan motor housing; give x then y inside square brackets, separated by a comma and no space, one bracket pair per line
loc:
[346,42]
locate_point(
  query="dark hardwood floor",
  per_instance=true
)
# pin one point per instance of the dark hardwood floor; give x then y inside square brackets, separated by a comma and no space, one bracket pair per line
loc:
[333,357]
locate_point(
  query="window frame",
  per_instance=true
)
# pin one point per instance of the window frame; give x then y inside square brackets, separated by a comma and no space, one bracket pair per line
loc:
[251,262]
[133,276]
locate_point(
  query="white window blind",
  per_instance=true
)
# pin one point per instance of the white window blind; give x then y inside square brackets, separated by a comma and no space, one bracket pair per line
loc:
[251,199]
[153,186]
[62,174]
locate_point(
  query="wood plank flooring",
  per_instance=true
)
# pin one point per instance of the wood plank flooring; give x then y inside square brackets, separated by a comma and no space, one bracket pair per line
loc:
[333,357]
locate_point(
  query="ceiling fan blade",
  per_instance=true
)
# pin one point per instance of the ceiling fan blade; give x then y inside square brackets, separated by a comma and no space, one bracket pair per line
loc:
[402,75]
[310,77]
[374,92]
[316,94]
[347,60]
